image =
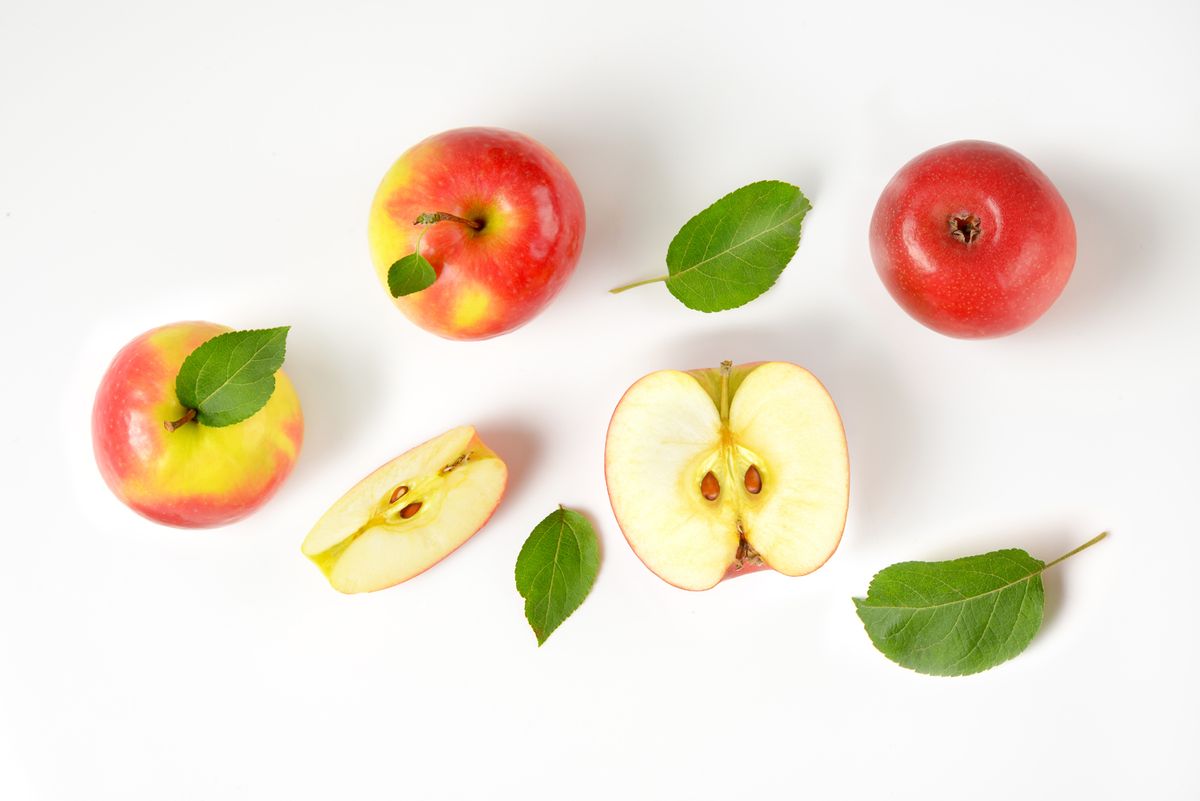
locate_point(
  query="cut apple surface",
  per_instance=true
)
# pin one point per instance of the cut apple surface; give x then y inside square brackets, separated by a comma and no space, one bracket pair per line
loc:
[713,473]
[409,514]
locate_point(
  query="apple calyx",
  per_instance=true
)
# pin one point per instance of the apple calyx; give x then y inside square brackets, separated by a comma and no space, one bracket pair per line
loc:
[965,227]
[188,417]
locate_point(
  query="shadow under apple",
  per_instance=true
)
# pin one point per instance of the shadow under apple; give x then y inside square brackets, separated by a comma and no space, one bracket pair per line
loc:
[519,445]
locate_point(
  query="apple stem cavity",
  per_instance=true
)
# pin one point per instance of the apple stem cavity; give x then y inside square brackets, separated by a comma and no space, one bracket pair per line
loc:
[188,417]
[618,290]
[965,227]
[430,218]
[1074,551]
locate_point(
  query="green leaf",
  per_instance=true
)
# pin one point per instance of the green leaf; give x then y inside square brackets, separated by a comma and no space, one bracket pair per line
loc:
[410,274]
[232,375]
[733,251]
[556,569]
[957,617]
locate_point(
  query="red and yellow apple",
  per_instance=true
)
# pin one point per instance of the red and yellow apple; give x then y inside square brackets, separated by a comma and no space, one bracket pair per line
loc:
[409,514]
[518,237]
[716,473]
[194,476]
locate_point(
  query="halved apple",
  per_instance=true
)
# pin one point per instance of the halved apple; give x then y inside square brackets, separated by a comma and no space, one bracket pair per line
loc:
[714,473]
[409,514]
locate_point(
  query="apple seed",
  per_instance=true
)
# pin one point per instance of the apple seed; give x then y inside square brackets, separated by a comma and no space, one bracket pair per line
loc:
[410,510]
[398,493]
[710,488]
[753,480]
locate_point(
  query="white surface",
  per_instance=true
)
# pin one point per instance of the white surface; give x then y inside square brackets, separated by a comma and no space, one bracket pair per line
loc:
[168,161]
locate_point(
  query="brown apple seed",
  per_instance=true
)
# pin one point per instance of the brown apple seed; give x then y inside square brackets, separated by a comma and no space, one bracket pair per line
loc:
[753,480]
[398,493]
[410,510]
[710,488]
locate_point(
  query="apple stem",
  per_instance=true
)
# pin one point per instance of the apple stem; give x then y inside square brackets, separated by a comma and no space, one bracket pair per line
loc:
[726,368]
[188,417]
[444,216]
[621,289]
[1071,553]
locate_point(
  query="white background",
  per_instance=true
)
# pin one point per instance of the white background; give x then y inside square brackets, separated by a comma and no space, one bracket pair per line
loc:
[164,161]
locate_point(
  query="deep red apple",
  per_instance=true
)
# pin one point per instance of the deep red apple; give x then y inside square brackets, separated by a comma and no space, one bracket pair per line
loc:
[510,233]
[973,240]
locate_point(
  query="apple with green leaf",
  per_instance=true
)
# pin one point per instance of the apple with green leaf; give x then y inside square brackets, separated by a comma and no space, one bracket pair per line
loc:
[473,231]
[195,425]
[717,473]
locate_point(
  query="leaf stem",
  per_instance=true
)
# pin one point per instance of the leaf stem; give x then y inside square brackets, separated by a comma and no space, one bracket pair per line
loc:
[430,218]
[620,289]
[1083,547]
[188,417]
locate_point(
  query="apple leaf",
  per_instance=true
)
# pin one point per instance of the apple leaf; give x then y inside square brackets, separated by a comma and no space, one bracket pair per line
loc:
[735,250]
[231,376]
[556,569]
[960,616]
[410,274]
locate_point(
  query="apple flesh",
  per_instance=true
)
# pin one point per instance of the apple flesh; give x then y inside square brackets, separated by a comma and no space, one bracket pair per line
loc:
[715,473]
[409,514]
[523,232]
[195,476]
[973,240]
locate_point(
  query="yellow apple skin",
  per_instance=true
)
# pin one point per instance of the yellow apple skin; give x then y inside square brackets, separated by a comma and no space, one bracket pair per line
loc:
[195,476]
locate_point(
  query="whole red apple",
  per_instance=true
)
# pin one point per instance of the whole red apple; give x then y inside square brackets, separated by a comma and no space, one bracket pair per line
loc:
[510,232]
[973,240]
[193,476]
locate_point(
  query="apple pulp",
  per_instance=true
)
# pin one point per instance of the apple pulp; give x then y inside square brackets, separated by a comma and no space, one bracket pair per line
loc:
[195,476]
[409,514]
[494,277]
[714,473]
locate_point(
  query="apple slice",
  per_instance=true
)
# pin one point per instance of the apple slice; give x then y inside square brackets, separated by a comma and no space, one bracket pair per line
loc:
[714,473]
[409,514]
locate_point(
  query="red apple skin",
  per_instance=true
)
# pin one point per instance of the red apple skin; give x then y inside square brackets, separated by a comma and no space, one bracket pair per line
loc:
[1015,267]
[492,280]
[195,476]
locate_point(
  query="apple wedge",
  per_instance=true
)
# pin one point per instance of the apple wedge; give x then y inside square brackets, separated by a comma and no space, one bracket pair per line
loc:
[409,514]
[715,473]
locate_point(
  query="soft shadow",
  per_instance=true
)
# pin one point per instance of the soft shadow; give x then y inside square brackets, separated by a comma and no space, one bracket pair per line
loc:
[883,429]
[1117,235]
[620,175]
[339,395]
[519,445]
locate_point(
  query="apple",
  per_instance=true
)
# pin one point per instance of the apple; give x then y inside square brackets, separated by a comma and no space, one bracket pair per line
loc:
[716,473]
[973,240]
[409,514]
[511,229]
[194,476]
